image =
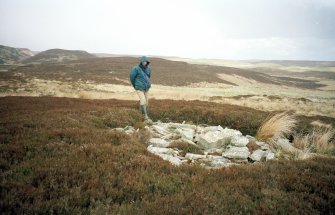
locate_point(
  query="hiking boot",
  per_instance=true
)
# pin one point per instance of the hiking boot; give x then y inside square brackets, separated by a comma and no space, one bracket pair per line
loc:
[144,111]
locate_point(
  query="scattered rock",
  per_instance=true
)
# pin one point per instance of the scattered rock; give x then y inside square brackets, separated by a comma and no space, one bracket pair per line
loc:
[192,156]
[159,142]
[270,156]
[186,133]
[258,155]
[172,159]
[161,150]
[222,147]
[286,146]
[240,141]
[213,139]
[234,152]
[263,145]
[218,161]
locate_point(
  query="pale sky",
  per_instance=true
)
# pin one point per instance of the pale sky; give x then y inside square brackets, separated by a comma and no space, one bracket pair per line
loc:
[227,29]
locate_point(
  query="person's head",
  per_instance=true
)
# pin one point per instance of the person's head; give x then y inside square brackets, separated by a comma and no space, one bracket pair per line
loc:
[144,61]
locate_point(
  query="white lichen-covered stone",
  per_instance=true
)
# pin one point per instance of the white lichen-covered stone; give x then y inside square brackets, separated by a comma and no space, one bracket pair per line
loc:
[213,139]
[250,138]
[263,145]
[192,156]
[239,140]
[172,159]
[258,155]
[182,126]
[186,133]
[213,128]
[286,146]
[118,129]
[161,129]
[270,156]
[158,142]
[229,143]
[234,152]
[218,161]
[214,150]
[161,150]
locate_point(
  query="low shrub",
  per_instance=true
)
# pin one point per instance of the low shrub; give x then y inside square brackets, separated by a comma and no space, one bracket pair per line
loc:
[59,156]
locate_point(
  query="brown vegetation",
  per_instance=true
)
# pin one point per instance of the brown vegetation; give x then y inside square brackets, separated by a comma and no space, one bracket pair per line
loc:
[114,70]
[275,127]
[59,156]
[319,140]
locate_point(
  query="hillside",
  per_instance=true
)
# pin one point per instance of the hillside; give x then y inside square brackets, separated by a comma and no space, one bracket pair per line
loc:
[61,156]
[10,55]
[58,55]
[115,70]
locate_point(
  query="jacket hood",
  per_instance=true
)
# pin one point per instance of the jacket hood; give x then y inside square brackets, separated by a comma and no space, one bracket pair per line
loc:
[144,58]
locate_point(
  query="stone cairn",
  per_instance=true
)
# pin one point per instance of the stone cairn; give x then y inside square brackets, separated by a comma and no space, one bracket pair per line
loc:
[220,147]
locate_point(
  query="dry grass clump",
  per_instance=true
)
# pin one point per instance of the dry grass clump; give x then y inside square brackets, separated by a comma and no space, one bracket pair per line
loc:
[275,127]
[319,140]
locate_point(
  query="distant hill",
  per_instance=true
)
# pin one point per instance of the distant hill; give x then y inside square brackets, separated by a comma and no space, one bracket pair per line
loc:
[115,70]
[10,55]
[296,62]
[58,55]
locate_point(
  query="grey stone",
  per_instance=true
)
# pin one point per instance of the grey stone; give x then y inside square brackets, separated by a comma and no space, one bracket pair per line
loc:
[161,150]
[286,146]
[240,141]
[118,129]
[160,129]
[250,138]
[258,155]
[186,133]
[182,126]
[214,150]
[172,159]
[192,156]
[158,142]
[218,161]
[270,156]
[264,146]
[234,152]
[213,139]
[188,141]
[213,128]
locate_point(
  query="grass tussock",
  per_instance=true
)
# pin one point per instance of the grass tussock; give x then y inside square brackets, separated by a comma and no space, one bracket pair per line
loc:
[275,127]
[319,140]
[60,156]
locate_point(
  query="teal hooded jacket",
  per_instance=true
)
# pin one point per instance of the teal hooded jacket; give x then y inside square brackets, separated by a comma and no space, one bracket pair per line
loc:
[140,76]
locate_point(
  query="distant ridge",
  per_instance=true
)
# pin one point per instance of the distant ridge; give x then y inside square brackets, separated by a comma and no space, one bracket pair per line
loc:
[58,55]
[10,55]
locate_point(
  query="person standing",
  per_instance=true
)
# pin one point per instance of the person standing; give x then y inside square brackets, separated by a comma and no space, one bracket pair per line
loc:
[140,80]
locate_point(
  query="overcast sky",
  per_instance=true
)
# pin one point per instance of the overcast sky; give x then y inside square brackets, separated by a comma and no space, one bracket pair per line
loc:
[228,29]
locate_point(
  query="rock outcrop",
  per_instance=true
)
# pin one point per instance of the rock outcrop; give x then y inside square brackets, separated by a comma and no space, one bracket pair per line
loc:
[220,147]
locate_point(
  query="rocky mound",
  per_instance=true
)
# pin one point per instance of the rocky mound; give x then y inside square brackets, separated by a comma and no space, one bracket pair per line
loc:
[58,55]
[211,146]
[10,55]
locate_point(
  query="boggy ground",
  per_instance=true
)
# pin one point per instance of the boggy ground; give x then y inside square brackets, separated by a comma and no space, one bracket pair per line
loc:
[59,155]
